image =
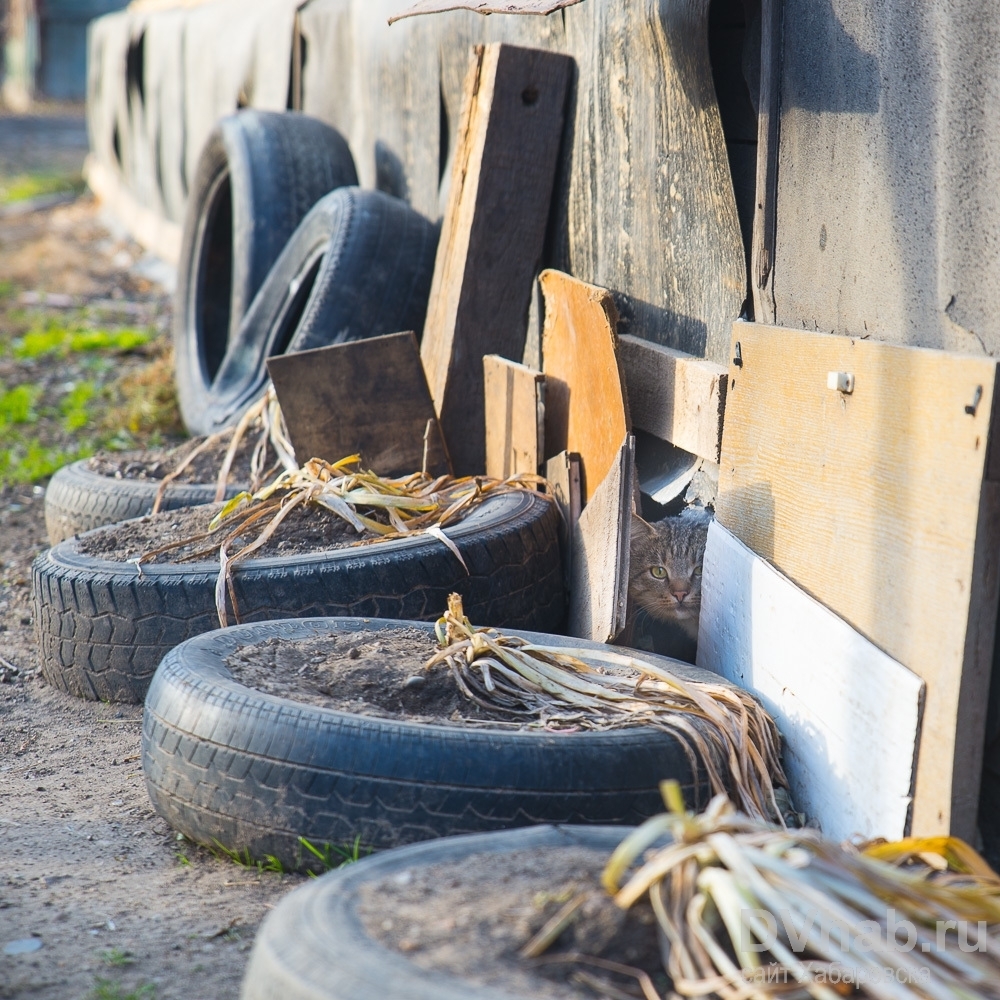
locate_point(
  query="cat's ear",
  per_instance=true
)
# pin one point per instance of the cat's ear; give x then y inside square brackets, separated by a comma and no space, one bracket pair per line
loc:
[641,528]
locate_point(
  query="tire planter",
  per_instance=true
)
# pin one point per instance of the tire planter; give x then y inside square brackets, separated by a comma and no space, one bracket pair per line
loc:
[231,764]
[258,175]
[78,499]
[359,265]
[102,627]
[313,946]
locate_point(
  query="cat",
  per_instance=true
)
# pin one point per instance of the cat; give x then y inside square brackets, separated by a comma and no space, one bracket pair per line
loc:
[664,587]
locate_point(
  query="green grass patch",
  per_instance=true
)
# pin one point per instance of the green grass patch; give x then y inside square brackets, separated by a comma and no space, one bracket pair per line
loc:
[24,187]
[332,856]
[56,339]
[17,405]
[112,989]
[117,957]
[73,406]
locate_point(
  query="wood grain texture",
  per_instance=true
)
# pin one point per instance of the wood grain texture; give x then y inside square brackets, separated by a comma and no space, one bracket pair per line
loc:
[849,714]
[768,132]
[599,576]
[493,232]
[482,7]
[515,417]
[874,503]
[643,202]
[674,395]
[366,396]
[562,472]
[585,406]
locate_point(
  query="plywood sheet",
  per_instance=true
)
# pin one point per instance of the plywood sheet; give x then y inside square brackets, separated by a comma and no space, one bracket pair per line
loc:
[600,554]
[366,396]
[493,232]
[676,396]
[585,407]
[515,417]
[874,501]
[849,714]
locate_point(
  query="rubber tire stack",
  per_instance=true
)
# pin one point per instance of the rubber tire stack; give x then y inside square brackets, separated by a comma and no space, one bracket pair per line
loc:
[313,945]
[359,265]
[281,251]
[102,627]
[258,175]
[230,765]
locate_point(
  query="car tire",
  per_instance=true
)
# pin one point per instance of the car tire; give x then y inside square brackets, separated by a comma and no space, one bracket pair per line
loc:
[229,765]
[103,627]
[78,499]
[258,175]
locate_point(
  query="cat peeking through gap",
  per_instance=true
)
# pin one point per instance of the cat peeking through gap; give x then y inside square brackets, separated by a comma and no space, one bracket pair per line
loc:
[664,587]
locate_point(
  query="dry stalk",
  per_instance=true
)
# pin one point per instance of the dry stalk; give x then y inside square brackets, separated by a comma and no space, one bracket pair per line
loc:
[378,507]
[749,911]
[265,419]
[722,729]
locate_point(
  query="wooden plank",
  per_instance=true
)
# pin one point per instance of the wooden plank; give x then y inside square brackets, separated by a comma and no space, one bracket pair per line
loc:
[849,714]
[873,501]
[562,472]
[515,417]
[493,232]
[599,578]
[366,396]
[483,7]
[768,130]
[674,395]
[585,406]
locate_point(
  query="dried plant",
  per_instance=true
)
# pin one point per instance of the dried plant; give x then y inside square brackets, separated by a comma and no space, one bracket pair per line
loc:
[723,729]
[377,507]
[263,418]
[749,911]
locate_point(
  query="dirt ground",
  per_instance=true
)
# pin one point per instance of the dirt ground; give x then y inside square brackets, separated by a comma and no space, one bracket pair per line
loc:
[110,903]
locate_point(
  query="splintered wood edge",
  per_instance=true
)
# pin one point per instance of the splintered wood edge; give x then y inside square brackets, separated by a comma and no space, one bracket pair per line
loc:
[537,7]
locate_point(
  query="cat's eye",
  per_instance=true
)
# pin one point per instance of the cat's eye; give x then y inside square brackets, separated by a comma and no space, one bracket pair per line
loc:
[697,571]
[659,573]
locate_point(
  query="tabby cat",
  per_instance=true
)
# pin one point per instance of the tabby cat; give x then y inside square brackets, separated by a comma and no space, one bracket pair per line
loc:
[664,587]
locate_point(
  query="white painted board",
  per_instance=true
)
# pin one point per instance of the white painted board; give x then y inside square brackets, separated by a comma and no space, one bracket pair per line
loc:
[848,713]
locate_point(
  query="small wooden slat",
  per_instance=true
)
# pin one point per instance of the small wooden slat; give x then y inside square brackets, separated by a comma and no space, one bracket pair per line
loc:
[763,244]
[493,232]
[674,395]
[599,577]
[874,502]
[849,714]
[366,396]
[585,406]
[483,7]
[562,472]
[515,417]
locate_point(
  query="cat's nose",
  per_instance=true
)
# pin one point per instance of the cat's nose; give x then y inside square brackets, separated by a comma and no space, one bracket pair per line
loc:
[679,595]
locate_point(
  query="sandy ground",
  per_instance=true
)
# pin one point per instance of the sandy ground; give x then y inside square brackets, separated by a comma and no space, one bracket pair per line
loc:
[112,904]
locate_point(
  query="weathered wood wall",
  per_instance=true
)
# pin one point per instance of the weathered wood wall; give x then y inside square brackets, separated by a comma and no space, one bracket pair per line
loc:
[888,221]
[644,201]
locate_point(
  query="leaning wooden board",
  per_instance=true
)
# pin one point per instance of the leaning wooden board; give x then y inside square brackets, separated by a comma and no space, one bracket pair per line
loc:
[848,713]
[493,232]
[884,504]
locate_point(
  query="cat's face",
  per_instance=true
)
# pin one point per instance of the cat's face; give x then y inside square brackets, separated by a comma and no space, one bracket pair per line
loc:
[665,565]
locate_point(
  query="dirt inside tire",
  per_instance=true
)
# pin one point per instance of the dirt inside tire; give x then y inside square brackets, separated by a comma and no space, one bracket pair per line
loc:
[470,917]
[379,674]
[306,529]
[155,463]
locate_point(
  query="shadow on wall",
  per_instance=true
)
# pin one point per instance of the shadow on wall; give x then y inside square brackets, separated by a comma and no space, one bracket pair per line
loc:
[830,71]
